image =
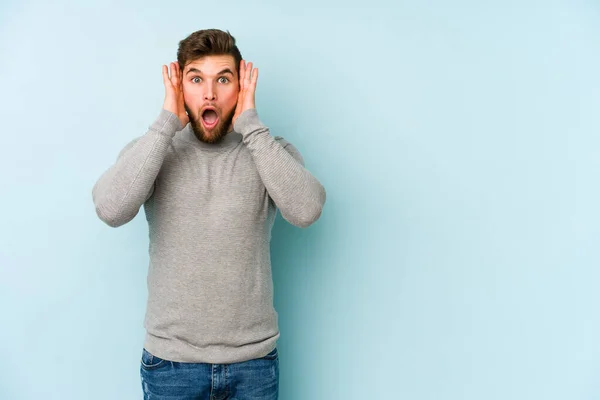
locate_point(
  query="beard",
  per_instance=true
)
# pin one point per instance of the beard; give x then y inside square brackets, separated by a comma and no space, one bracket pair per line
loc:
[214,135]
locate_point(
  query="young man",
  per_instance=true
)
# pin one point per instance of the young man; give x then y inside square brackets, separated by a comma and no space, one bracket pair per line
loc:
[211,179]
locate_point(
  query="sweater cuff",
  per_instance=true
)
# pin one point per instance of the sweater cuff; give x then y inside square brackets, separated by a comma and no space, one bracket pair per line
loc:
[166,123]
[247,122]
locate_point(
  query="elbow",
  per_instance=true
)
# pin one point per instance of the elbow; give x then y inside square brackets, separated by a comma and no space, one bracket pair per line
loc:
[109,211]
[306,220]
[110,217]
[309,214]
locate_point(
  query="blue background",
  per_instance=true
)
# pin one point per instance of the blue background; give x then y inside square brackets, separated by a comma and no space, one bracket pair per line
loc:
[457,255]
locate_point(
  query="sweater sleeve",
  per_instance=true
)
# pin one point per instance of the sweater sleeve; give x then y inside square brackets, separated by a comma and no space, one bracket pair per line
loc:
[298,195]
[129,182]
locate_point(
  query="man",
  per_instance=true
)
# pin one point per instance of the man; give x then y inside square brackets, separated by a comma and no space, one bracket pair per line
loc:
[211,179]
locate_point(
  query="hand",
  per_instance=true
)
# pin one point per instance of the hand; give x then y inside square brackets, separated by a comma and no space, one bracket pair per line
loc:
[248,78]
[174,92]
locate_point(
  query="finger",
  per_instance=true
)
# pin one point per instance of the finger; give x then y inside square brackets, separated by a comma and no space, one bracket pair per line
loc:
[248,75]
[179,71]
[253,81]
[245,80]
[242,73]
[237,110]
[176,73]
[240,102]
[179,93]
[172,70]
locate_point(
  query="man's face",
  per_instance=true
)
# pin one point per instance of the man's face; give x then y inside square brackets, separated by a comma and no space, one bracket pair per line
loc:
[210,92]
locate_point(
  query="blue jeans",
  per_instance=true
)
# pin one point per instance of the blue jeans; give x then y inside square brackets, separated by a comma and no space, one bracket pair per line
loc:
[256,379]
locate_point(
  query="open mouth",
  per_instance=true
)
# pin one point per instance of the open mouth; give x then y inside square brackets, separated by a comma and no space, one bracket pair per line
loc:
[210,118]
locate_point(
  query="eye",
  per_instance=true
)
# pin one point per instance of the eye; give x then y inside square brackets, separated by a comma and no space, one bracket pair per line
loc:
[225,79]
[194,79]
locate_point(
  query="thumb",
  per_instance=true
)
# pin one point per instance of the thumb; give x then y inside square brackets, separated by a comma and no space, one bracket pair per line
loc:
[239,105]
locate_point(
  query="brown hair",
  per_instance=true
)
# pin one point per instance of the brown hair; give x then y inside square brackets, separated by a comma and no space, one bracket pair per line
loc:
[208,42]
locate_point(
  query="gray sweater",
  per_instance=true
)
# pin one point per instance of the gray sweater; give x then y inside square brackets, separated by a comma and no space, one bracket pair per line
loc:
[210,209]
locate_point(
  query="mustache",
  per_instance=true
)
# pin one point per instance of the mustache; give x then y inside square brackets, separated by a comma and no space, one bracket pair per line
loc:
[215,108]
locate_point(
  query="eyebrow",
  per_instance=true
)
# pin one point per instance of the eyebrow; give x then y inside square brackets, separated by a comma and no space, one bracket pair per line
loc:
[222,72]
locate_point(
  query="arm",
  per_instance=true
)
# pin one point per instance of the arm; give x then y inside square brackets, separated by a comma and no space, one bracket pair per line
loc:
[296,192]
[127,184]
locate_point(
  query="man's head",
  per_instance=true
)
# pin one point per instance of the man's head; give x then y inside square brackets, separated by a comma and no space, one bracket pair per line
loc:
[210,62]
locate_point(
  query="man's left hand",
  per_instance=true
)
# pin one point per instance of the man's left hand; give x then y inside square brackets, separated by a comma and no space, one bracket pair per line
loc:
[248,78]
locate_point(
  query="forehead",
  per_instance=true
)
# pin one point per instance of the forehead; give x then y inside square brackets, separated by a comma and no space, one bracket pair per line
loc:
[211,64]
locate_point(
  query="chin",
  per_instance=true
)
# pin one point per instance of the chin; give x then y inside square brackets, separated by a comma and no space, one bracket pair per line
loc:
[214,135]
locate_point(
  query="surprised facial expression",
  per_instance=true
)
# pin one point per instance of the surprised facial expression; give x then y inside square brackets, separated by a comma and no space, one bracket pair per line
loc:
[210,91]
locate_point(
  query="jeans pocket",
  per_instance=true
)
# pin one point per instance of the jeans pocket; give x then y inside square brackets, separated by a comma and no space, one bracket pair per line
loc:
[272,355]
[149,361]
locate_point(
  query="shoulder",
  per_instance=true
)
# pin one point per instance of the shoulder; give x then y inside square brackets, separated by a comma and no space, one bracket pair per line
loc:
[290,148]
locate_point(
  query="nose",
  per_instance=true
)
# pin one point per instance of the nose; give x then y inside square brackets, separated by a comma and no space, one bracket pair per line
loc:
[210,94]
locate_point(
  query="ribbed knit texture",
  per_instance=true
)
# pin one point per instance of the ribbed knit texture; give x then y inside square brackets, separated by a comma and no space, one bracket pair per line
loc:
[210,209]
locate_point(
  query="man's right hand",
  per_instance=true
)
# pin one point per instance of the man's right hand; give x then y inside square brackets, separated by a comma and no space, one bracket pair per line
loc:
[174,92]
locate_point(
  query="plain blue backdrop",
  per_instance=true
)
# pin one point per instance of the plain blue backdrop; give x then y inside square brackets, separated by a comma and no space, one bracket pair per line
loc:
[457,256]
